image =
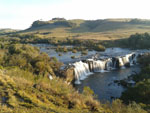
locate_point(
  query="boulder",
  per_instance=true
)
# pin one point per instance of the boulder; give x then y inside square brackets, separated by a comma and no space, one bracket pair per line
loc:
[68,74]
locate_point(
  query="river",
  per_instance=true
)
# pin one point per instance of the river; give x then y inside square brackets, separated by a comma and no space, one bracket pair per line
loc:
[102,83]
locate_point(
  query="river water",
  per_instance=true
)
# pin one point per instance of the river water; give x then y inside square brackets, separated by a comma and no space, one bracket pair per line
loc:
[101,83]
[66,56]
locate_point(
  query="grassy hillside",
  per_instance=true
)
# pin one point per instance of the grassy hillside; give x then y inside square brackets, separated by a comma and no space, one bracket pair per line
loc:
[21,95]
[6,31]
[107,29]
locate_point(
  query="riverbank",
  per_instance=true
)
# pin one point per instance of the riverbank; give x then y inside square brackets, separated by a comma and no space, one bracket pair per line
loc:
[107,85]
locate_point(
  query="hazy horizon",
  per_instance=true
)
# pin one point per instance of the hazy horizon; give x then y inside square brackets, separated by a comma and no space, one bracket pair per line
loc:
[21,14]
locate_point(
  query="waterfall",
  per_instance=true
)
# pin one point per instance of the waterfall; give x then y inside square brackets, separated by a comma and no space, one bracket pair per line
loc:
[114,63]
[125,59]
[109,64]
[81,71]
[99,66]
[77,80]
[84,68]
[134,58]
[121,64]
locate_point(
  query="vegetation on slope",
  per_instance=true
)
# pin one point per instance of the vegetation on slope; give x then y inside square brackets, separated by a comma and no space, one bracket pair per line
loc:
[28,58]
[140,92]
[134,41]
[51,96]
[21,95]
[25,84]
[107,29]
[7,31]
[92,25]
[55,23]
[139,41]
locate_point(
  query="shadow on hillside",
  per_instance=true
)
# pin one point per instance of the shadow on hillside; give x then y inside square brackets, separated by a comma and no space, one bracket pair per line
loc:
[91,25]
[100,26]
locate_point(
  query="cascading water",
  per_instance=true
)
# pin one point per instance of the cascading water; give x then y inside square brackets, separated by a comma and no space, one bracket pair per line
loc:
[134,58]
[121,64]
[109,64]
[129,58]
[125,60]
[83,69]
[99,66]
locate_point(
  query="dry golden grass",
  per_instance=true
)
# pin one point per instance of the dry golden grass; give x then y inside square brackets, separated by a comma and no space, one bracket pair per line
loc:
[42,97]
[63,33]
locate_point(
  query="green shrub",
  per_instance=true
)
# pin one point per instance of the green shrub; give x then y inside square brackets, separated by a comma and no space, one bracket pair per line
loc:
[73,57]
[65,49]
[87,91]
[84,52]
[74,51]
[59,54]
[99,48]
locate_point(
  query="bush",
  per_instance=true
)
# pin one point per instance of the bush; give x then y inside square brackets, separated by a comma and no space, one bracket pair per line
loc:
[59,54]
[39,23]
[84,52]
[99,48]
[74,51]
[140,41]
[73,57]
[87,91]
[65,49]
[29,58]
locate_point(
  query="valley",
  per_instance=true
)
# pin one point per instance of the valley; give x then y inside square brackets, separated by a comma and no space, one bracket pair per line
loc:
[88,66]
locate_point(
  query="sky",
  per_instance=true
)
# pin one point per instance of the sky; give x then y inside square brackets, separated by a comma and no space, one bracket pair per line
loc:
[20,14]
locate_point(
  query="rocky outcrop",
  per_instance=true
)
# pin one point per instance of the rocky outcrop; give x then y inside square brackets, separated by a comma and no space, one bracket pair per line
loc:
[82,69]
[68,74]
[78,71]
